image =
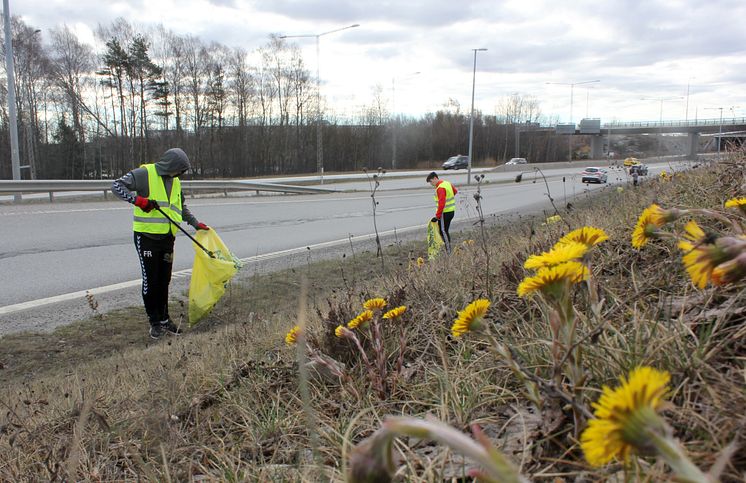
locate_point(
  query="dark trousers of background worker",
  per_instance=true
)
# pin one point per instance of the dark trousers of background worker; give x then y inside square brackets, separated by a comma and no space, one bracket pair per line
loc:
[445,224]
[156,261]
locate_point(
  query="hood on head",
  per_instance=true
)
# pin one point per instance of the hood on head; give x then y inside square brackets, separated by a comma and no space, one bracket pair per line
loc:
[172,163]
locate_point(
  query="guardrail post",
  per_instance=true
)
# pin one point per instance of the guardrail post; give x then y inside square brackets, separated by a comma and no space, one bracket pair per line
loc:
[51,196]
[105,195]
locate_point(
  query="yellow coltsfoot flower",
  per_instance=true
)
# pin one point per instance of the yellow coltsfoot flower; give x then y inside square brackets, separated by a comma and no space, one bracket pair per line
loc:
[625,416]
[471,318]
[647,225]
[627,422]
[375,304]
[694,233]
[292,336]
[552,281]
[395,313]
[730,271]
[587,235]
[702,253]
[737,203]
[698,262]
[361,320]
[559,254]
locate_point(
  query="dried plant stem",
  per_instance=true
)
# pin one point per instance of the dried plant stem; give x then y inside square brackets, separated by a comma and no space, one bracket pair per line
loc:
[303,372]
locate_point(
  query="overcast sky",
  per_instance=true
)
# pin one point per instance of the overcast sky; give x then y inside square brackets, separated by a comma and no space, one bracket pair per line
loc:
[637,49]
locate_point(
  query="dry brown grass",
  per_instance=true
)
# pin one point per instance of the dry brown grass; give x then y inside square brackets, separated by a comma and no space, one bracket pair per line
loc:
[223,403]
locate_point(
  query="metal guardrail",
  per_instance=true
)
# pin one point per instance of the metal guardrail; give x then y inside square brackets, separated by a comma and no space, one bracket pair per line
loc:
[56,185]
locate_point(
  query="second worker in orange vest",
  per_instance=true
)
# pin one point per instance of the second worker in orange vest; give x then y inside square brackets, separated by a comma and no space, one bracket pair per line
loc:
[445,198]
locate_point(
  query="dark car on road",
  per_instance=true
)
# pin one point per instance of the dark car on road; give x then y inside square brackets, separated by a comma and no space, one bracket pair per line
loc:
[641,169]
[457,162]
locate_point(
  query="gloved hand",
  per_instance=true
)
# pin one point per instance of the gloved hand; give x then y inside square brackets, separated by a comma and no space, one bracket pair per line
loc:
[145,204]
[202,226]
[434,220]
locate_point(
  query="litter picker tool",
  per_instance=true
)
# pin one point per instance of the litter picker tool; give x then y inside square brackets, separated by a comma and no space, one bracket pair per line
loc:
[212,255]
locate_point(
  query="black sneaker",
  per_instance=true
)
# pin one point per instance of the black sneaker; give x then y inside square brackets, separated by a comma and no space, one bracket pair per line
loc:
[156,331]
[170,327]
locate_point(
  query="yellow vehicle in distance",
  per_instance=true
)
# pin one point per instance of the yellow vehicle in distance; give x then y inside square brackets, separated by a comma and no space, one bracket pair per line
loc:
[631,162]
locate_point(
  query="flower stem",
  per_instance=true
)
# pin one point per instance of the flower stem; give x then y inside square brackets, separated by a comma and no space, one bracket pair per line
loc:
[676,458]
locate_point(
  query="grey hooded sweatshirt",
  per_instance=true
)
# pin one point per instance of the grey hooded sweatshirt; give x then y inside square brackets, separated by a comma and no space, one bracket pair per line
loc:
[173,163]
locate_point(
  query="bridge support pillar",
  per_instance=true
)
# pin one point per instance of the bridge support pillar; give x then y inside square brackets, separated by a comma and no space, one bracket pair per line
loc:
[597,147]
[692,145]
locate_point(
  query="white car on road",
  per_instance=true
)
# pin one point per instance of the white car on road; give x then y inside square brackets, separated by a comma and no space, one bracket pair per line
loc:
[594,175]
[514,161]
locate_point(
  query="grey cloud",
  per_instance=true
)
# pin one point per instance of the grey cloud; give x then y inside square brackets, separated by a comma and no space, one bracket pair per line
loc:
[433,13]
[231,36]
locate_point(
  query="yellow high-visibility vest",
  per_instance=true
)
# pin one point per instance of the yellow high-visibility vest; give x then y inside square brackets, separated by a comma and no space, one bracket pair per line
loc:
[450,197]
[154,221]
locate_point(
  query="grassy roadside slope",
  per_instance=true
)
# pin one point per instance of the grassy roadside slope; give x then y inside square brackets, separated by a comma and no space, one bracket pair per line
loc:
[223,403]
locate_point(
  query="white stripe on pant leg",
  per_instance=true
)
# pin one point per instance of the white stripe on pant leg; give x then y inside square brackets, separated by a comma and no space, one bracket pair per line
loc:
[142,266]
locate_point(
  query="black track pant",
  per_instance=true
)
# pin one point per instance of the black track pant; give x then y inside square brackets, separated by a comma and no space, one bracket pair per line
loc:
[156,261]
[445,224]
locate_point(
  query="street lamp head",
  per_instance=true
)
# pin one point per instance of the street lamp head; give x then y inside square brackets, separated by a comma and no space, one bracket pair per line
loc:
[573,84]
[482,49]
[319,138]
[317,35]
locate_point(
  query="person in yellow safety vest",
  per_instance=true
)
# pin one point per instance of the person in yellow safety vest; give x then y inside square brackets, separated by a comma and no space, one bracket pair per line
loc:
[445,199]
[155,189]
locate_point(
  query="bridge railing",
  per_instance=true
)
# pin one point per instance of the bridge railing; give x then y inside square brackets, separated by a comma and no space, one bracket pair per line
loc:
[687,123]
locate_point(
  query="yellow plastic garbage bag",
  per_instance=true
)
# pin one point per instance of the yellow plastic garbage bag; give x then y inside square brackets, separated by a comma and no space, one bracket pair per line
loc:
[434,240]
[210,275]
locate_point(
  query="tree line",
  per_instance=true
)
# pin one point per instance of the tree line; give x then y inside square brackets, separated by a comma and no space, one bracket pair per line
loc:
[88,112]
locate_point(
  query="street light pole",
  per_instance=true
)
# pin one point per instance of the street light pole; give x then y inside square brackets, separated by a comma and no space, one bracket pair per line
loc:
[471,117]
[395,118]
[660,121]
[572,91]
[686,114]
[720,133]
[720,128]
[12,116]
[587,100]
[319,137]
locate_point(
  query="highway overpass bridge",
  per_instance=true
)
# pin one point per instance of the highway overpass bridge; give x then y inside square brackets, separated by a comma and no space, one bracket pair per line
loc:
[718,128]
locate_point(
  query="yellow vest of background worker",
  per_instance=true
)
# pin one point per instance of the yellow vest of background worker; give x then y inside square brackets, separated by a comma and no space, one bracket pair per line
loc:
[450,197]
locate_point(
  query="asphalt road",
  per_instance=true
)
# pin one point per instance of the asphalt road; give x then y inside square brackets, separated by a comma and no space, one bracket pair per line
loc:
[52,253]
